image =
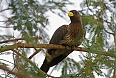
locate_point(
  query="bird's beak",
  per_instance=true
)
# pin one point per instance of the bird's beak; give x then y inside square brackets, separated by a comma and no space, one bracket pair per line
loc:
[70,14]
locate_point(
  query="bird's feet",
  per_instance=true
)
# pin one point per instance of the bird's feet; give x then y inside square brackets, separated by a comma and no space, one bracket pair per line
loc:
[71,47]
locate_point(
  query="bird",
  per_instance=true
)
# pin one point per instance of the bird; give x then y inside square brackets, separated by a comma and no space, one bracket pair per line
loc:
[66,35]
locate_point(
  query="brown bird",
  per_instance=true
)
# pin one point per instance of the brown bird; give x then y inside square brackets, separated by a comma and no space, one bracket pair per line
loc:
[67,35]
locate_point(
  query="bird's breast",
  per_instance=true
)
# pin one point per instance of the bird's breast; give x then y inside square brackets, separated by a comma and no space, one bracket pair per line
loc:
[74,36]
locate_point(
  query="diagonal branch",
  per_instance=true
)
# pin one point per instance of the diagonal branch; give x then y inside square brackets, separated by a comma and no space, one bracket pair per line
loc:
[18,74]
[5,9]
[37,51]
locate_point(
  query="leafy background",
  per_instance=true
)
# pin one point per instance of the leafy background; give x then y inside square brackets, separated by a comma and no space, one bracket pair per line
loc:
[27,19]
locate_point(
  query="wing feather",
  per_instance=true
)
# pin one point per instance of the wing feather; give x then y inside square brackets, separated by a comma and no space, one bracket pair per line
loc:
[58,36]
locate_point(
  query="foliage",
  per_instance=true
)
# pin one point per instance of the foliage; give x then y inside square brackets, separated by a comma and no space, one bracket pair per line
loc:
[30,18]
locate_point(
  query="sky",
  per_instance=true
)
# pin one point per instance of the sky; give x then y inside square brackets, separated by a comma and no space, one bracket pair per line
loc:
[51,28]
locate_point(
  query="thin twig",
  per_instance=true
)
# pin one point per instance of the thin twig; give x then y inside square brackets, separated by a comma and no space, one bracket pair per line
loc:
[5,9]
[6,61]
[35,53]
[18,74]
[6,26]
[14,40]
[18,53]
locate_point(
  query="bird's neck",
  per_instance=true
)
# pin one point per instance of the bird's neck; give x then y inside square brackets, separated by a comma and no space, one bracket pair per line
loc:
[75,20]
[75,24]
[74,28]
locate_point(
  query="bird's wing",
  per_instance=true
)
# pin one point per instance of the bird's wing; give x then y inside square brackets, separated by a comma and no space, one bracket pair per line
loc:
[58,36]
[68,33]
[56,39]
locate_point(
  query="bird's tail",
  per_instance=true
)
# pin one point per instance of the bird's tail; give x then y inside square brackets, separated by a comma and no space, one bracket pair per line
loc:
[45,66]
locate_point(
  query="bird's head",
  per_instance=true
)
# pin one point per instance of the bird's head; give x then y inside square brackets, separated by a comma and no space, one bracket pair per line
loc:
[74,16]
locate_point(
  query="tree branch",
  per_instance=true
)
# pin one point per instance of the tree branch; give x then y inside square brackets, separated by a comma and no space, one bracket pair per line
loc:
[5,26]
[37,51]
[14,40]
[5,9]
[18,74]
[53,46]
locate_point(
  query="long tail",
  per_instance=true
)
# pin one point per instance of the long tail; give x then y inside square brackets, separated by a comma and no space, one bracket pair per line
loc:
[45,66]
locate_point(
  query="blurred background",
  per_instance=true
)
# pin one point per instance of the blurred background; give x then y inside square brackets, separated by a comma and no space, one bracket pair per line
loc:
[25,20]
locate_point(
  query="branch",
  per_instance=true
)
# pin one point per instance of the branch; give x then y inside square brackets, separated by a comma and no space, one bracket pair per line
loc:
[53,46]
[5,9]
[14,40]
[18,53]
[5,26]
[18,74]
[37,51]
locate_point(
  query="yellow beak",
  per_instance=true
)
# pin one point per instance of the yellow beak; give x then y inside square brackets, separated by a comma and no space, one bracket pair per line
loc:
[70,14]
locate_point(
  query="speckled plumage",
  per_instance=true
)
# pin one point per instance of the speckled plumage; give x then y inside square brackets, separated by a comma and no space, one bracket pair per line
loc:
[69,35]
